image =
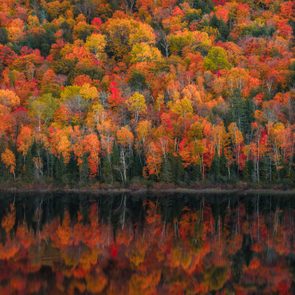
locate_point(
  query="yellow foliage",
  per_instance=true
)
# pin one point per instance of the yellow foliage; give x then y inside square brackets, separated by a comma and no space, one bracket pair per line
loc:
[124,33]
[8,98]
[143,52]
[88,92]
[136,104]
[181,107]
[143,129]
[96,44]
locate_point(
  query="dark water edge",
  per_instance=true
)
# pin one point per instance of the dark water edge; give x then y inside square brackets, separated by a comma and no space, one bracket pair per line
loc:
[144,191]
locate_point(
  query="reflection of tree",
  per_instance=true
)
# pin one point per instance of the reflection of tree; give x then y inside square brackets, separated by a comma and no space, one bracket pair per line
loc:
[121,245]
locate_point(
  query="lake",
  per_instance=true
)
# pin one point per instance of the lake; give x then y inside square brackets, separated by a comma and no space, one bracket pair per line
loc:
[147,244]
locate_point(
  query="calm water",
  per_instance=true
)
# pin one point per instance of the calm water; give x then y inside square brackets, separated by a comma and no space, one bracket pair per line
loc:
[176,244]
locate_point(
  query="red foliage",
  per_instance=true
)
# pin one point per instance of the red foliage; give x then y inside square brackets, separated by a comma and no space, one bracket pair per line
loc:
[115,98]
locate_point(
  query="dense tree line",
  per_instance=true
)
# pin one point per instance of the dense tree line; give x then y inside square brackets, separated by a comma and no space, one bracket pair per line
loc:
[130,91]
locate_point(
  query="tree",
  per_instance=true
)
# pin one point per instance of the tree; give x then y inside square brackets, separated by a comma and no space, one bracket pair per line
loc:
[181,107]
[143,52]
[50,83]
[88,147]
[237,140]
[96,44]
[8,159]
[154,159]
[205,6]
[115,98]
[143,130]
[60,143]
[123,33]
[43,108]
[216,59]
[125,140]
[187,40]
[24,140]
[7,56]
[77,99]
[16,29]
[9,99]
[136,104]
[3,36]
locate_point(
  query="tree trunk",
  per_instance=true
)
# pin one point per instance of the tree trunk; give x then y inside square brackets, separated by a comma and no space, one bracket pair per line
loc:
[124,166]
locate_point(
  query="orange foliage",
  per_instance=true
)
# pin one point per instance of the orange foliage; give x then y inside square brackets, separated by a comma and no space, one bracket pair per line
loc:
[24,140]
[8,159]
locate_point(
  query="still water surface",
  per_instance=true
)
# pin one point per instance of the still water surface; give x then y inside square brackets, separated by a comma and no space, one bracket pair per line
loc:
[121,244]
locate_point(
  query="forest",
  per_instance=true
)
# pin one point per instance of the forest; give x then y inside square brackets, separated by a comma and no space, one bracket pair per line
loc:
[145,91]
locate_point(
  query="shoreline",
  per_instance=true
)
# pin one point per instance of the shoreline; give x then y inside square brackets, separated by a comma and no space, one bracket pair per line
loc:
[156,189]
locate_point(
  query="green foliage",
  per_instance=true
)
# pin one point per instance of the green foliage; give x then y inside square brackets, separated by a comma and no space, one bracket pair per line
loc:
[3,35]
[95,72]
[166,173]
[205,5]
[241,112]
[258,31]
[41,40]
[107,171]
[218,169]
[216,59]
[137,81]
[84,171]
[75,172]
[179,41]
[65,67]
[193,15]
[67,32]
[43,107]
[222,27]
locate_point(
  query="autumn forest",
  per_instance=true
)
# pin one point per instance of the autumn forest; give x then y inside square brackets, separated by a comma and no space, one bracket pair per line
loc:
[144,91]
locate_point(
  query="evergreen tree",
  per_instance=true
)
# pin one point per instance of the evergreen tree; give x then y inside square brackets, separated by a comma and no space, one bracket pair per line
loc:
[106,170]
[84,171]
[205,5]
[241,112]
[166,174]
[222,27]
[3,36]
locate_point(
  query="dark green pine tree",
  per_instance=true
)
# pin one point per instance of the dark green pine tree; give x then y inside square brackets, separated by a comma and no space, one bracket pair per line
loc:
[73,170]
[106,170]
[60,171]
[178,170]
[190,174]
[166,174]
[205,5]
[84,170]
[218,172]
[241,112]
[3,36]
[28,166]
[222,27]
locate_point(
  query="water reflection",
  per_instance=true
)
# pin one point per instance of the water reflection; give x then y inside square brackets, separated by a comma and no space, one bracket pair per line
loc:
[178,244]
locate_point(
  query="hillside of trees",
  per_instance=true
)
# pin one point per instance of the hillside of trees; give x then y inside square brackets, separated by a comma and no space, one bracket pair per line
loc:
[144,91]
